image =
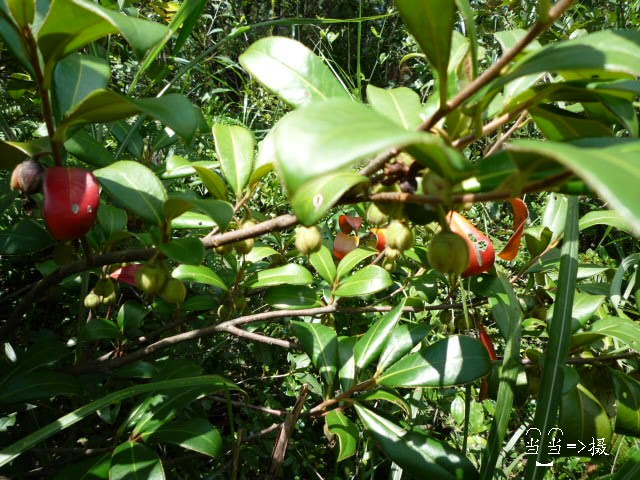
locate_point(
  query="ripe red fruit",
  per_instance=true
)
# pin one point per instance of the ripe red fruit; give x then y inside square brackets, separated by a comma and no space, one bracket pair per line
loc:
[481,252]
[71,200]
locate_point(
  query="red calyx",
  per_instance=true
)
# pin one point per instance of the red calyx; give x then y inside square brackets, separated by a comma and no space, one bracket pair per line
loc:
[71,200]
[349,223]
[127,274]
[381,238]
[481,252]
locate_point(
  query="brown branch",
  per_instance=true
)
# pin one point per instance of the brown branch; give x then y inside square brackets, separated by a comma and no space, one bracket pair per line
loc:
[520,121]
[324,405]
[259,408]
[280,447]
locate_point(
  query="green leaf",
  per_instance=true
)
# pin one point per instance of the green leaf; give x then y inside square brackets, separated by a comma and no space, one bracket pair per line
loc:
[291,297]
[322,261]
[622,329]
[370,279]
[100,329]
[418,454]
[582,417]
[112,219]
[221,212]
[177,166]
[36,385]
[321,344]
[176,206]
[26,236]
[562,125]
[72,24]
[402,105]
[610,166]
[373,396]
[214,182]
[196,434]
[235,149]
[627,389]
[76,77]
[130,316]
[184,250]
[199,274]
[401,340]
[431,23]
[260,252]
[606,54]
[346,361]
[631,468]
[93,468]
[610,218]
[16,449]
[135,461]
[585,306]
[291,71]
[447,162]
[22,11]
[134,187]
[453,361]
[88,150]
[351,259]
[327,136]
[12,153]
[557,348]
[101,106]
[370,344]
[193,220]
[314,199]
[290,274]
[346,431]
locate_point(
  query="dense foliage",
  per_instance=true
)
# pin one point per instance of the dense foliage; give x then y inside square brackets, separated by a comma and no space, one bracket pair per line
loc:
[319,239]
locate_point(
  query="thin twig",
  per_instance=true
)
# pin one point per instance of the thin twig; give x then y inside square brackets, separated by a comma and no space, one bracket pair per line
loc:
[280,447]
[521,120]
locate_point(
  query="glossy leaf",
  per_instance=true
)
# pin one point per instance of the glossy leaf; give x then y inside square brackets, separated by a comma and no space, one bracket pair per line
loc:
[93,468]
[16,449]
[193,220]
[214,183]
[327,136]
[88,150]
[431,23]
[452,361]
[135,461]
[347,362]
[370,279]
[351,260]
[322,261]
[102,106]
[631,468]
[401,340]
[12,153]
[198,274]
[321,344]
[610,218]
[627,390]
[346,431]
[313,200]
[562,125]
[402,105]
[291,274]
[26,236]
[72,24]
[38,385]
[184,250]
[196,434]
[76,77]
[582,417]
[291,297]
[135,187]
[291,71]
[610,166]
[235,146]
[373,396]
[370,344]
[622,329]
[100,329]
[418,454]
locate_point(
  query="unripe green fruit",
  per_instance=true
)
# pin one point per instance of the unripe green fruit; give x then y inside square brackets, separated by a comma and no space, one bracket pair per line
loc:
[242,247]
[224,249]
[392,253]
[105,290]
[389,264]
[151,278]
[392,209]
[448,253]
[173,291]
[308,240]
[399,236]
[434,184]
[375,217]
[92,300]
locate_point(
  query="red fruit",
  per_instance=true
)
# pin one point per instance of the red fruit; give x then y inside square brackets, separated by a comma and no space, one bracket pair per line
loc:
[481,251]
[348,223]
[71,200]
